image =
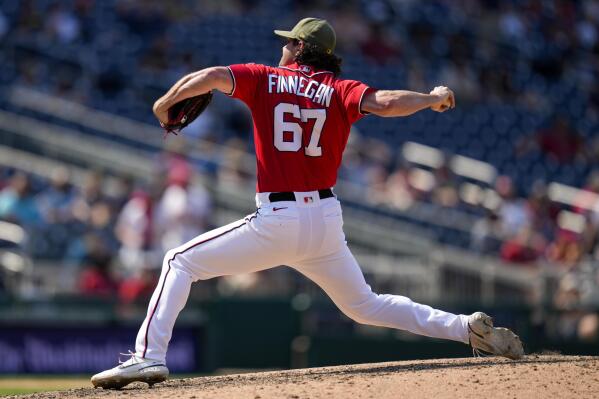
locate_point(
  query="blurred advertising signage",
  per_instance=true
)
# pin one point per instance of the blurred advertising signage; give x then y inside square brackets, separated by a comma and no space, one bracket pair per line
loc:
[84,350]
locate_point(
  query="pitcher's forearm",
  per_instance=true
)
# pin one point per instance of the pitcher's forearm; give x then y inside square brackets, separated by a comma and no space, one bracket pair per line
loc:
[390,103]
[401,102]
[177,86]
[186,87]
[194,84]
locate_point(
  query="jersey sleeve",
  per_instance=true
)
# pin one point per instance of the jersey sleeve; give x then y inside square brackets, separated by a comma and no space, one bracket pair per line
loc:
[352,93]
[245,80]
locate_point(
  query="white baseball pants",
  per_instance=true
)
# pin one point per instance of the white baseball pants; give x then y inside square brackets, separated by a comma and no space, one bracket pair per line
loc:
[306,235]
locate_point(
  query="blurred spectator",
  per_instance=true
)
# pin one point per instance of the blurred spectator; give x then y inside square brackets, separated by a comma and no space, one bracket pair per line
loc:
[204,127]
[183,210]
[234,169]
[139,286]
[122,192]
[143,18]
[56,202]
[354,166]
[416,80]
[445,190]
[174,156]
[350,27]
[238,120]
[101,224]
[157,57]
[95,217]
[378,158]
[84,13]
[566,249]
[380,46]
[96,278]
[62,24]
[587,33]
[17,203]
[559,142]
[511,22]
[543,213]
[90,194]
[79,248]
[525,247]
[377,188]
[486,234]
[513,212]
[462,79]
[399,192]
[56,205]
[135,230]
[29,18]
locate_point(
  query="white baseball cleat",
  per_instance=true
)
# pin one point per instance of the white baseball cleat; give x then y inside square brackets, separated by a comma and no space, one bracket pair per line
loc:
[487,340]
[135,369]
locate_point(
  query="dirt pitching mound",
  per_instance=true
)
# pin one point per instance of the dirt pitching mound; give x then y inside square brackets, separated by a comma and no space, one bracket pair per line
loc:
[546,376]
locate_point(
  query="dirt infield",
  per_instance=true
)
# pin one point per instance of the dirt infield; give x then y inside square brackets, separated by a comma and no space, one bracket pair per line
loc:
[533,377]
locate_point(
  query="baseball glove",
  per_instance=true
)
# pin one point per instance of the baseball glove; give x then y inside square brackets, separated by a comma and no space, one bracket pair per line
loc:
[184,112]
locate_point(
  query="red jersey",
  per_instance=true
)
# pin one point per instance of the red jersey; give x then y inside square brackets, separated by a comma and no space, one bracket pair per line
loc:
[301,120]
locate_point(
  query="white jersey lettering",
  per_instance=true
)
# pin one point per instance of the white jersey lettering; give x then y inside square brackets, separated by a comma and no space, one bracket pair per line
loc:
[271,82]
[309,92]
[302,82]
[319,93]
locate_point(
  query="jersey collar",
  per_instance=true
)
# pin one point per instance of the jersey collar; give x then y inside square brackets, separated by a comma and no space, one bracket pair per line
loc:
[303,69]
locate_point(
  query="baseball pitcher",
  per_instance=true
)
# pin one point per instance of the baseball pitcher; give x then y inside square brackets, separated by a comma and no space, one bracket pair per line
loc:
[302,113]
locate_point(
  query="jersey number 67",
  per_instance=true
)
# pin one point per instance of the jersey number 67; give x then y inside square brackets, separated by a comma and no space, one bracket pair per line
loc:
[280,127]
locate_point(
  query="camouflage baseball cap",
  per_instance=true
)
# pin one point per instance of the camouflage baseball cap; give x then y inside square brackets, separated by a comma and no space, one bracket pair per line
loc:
[313,30]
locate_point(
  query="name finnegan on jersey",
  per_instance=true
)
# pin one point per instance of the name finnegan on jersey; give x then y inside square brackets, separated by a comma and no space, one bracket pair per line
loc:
[301,86]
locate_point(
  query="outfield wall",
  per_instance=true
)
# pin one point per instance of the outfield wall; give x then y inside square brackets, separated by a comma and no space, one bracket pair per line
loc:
[233,333]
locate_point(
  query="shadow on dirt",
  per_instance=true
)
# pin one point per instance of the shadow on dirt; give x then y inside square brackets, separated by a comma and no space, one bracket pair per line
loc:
[479,362]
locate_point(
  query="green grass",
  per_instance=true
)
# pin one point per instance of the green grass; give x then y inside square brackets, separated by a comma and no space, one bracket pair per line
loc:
[26,384]
[18,391]
[20,385]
